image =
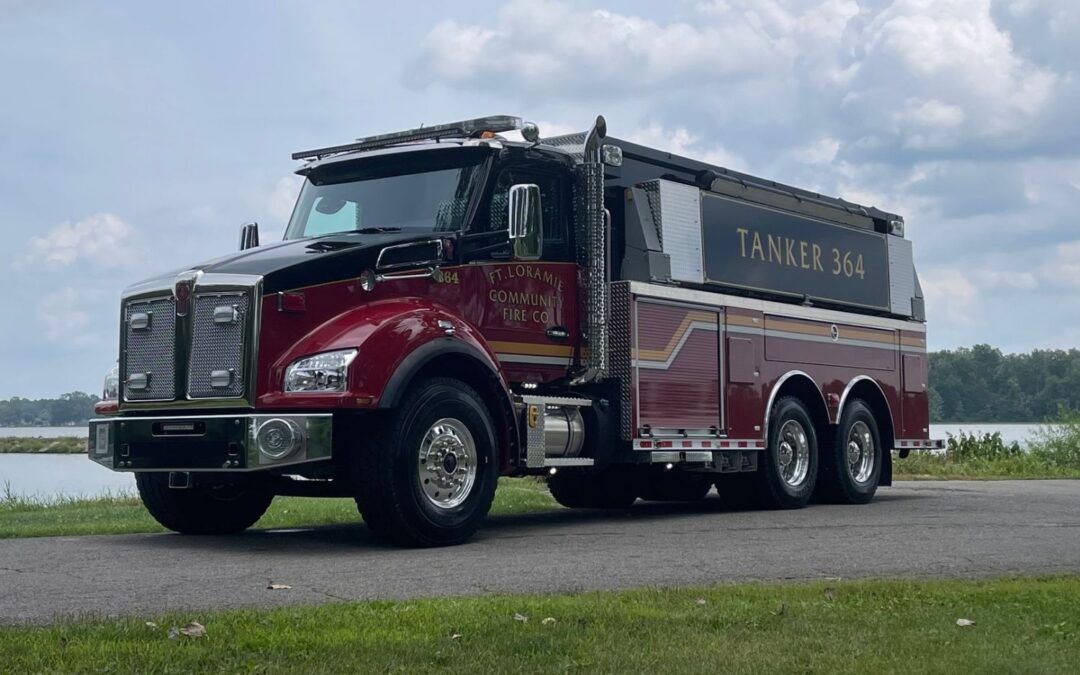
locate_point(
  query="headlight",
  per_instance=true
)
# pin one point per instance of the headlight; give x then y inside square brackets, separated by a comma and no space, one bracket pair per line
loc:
[322,372]
[111,390]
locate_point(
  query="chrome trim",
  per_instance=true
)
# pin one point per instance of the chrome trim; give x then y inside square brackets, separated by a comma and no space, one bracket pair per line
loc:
[776,388]
[417,263]
[850,386]
[318,428]
[771,307]
[201,284]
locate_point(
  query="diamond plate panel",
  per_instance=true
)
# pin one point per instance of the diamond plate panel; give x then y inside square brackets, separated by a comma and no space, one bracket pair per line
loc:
[151,350]
[621,356]
[218,345]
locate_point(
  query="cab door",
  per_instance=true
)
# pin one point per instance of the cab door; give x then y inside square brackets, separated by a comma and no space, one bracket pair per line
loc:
[525,304]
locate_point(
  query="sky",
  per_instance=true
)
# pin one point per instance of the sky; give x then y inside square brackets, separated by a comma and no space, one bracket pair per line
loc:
[138,137]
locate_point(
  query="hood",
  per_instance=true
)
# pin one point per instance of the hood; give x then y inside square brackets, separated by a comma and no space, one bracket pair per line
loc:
[296,263]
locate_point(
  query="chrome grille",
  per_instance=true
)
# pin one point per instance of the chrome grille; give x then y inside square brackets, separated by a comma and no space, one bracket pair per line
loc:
[150,352]
[218,346]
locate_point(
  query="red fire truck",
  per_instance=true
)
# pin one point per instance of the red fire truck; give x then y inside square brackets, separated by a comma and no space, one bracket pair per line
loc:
[449,306]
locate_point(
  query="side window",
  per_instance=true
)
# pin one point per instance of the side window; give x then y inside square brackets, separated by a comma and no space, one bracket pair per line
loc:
[553,211]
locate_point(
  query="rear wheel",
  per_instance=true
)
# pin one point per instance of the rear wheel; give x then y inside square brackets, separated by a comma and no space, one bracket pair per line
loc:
[786,477]
[202,509]
[851,468]
[610,488]
[427,477]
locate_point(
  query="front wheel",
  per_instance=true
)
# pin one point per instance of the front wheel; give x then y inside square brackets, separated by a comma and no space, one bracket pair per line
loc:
[427,477]
[224,509]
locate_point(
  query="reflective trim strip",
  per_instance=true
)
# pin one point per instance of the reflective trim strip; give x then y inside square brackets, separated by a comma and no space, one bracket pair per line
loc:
[920,444]
[697,444]
[770,307]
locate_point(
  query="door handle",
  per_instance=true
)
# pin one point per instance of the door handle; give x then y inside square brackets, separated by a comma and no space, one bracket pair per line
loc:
[557,333]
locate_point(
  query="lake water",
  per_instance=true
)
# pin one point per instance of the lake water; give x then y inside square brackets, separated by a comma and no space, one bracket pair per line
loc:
[44,432]
[52,476]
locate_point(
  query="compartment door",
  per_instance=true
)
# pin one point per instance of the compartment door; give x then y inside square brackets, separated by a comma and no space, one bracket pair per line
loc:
[677,367]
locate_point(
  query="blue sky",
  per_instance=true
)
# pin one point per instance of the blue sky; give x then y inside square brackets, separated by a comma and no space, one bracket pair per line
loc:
[138,136]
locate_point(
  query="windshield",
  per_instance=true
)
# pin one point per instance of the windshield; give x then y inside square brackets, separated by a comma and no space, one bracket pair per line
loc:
[409,192]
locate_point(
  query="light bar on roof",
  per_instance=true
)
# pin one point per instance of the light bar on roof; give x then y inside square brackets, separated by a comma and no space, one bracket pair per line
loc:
[465,128]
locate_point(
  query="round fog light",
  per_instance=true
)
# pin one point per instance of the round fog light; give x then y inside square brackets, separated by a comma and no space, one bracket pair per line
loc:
[278,438]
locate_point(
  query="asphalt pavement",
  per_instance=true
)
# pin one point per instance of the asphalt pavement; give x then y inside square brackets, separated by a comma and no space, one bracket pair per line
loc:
[915,529]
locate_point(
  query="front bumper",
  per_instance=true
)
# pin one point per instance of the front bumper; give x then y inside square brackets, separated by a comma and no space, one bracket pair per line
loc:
[227,443]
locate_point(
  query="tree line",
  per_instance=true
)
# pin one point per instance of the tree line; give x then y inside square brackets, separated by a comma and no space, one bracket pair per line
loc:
[72,408]
[981,384]
[976,384]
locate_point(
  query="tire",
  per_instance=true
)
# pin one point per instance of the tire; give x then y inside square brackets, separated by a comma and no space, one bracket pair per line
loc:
[851,466]
[443,500]
[201,509]
[673,486]
[787,474]
[611,488]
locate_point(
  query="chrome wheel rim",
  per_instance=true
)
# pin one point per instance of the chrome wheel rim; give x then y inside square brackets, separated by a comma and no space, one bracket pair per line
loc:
[793,453]
[860,452]
[447,467]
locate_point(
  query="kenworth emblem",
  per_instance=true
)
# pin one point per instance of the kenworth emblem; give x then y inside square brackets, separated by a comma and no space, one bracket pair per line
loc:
[182,292]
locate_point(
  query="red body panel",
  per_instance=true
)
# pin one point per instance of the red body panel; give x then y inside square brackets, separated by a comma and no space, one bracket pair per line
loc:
[760,350]
[503,310]
[677,358]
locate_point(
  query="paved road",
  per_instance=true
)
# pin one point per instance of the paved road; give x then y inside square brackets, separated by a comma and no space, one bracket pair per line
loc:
[914,529]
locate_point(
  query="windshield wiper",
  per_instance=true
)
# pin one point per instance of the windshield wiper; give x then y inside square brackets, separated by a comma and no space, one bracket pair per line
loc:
[376,230]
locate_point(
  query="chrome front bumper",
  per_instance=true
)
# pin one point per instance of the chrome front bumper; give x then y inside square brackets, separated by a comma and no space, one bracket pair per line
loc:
[228,443]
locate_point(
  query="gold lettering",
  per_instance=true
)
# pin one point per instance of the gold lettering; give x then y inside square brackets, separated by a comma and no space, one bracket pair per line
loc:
[774,249]
[817,259]
[756,248]
[802,255]
[742,239]
[789,248]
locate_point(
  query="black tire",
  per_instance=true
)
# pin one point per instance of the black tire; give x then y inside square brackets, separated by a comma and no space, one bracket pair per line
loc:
[788,415]
[674,486]
[840,481]
[387,473]
[610,488]
[202,509]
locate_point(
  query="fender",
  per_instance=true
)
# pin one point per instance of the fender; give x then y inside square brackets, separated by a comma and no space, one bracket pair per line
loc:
[394,338]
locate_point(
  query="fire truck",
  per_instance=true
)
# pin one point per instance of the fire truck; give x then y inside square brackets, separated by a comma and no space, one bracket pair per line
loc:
[456,303]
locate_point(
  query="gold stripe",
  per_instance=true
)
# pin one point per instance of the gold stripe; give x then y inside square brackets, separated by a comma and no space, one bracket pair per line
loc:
[821,330]
[531,349]
[684,327]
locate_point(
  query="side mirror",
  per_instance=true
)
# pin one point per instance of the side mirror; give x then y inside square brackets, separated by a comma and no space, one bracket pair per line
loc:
[526,229]
[249,236]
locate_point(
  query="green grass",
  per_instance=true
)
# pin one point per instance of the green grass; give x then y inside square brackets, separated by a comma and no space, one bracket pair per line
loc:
[1021,625]
[57,446]
[122,514]
[1054,453]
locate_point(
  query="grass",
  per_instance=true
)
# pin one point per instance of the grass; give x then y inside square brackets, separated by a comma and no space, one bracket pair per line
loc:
[122,514]
[59,446]
[1054,453]
[1021,625]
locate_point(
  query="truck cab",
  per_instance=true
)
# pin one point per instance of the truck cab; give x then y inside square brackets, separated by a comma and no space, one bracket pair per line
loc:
[448,306]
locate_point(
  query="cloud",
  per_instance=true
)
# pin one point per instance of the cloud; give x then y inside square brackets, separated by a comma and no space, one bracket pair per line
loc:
[103,239]
[681,142]
[66,317]
[950,296]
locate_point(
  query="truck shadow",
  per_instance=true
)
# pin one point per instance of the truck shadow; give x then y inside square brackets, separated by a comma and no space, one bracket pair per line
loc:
[346,539]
